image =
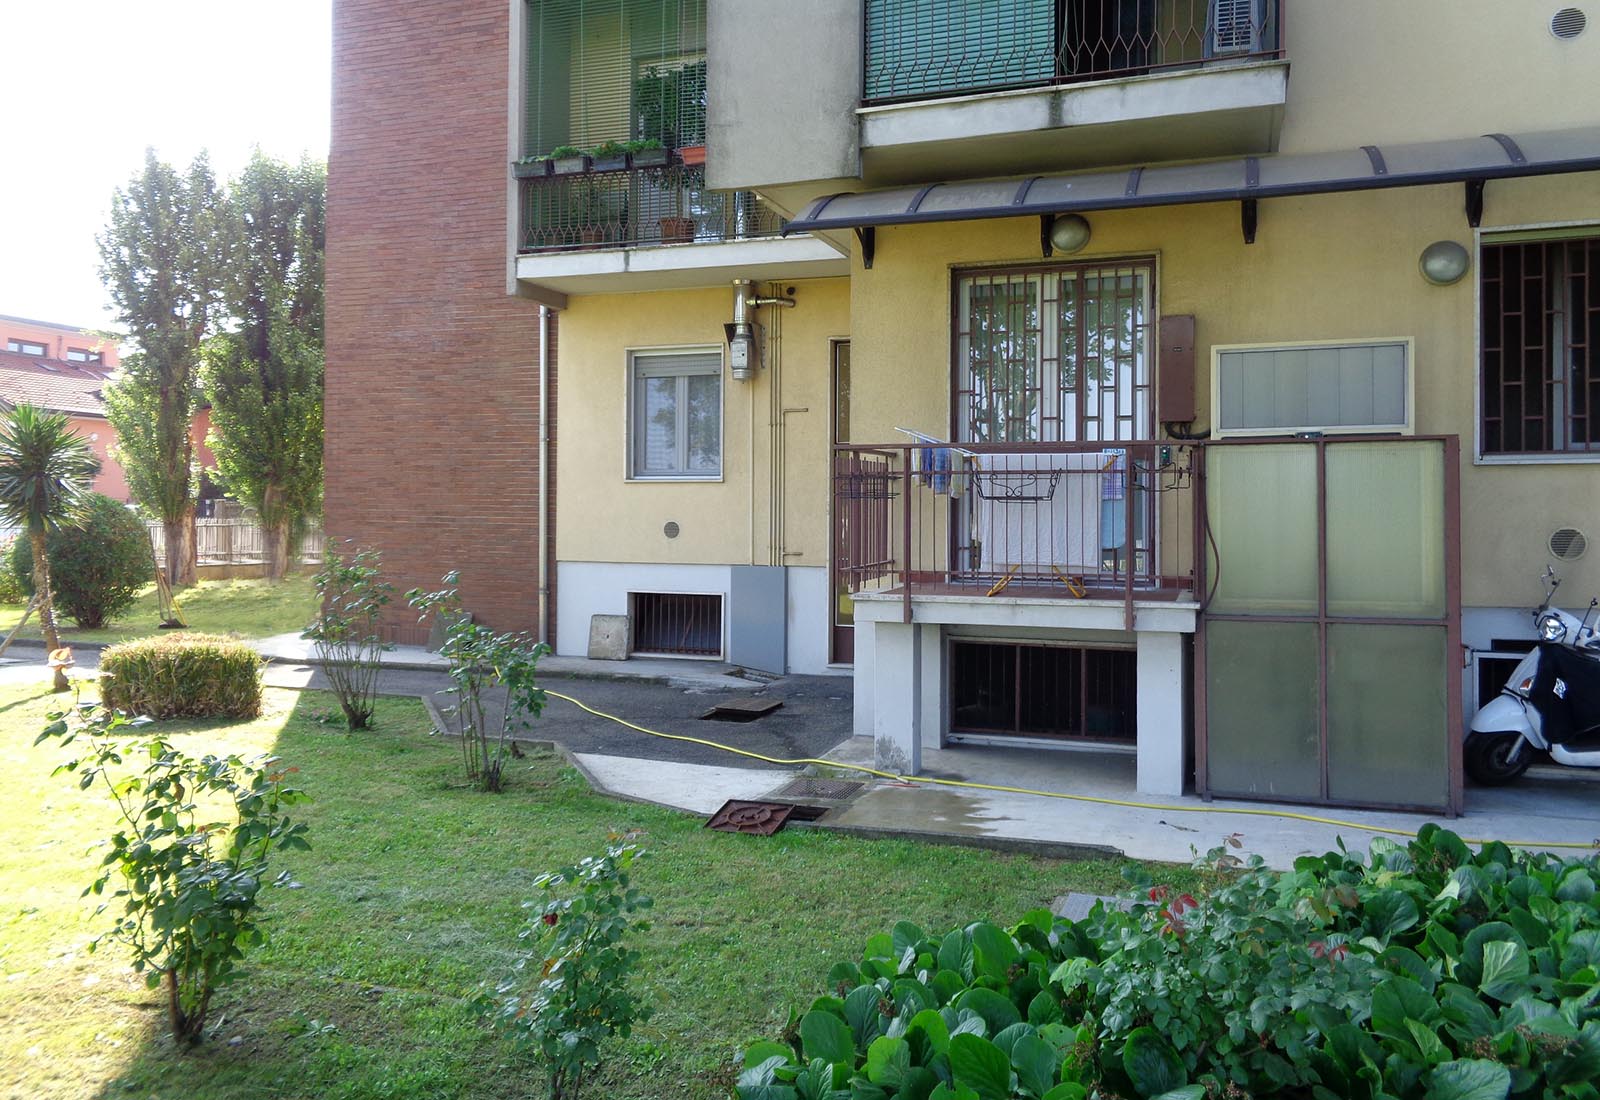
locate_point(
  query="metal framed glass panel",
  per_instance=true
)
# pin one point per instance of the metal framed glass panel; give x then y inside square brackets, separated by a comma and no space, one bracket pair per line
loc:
[676,425]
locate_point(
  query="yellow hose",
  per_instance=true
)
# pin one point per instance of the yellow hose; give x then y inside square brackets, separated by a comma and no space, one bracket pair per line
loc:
[1287,815]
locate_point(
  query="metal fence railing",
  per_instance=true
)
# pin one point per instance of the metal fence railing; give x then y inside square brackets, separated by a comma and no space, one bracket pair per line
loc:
[1054,520]
[636,206]
[917,49]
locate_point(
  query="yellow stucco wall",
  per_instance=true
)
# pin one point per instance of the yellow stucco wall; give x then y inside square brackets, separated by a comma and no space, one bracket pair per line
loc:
[1324,267]
[1365,71]
[606,518]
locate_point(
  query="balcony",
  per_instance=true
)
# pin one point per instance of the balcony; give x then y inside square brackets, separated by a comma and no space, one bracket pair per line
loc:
[952,89]
[653,228]
[1049,534]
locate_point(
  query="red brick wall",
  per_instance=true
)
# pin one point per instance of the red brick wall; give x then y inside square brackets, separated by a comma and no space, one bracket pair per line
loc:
[432,381]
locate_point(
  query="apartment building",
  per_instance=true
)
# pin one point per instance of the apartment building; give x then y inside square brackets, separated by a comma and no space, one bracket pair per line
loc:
[1201,381]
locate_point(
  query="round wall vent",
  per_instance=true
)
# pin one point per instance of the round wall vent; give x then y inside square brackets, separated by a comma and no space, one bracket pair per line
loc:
[1568,544]
[1568,23]
[670,530]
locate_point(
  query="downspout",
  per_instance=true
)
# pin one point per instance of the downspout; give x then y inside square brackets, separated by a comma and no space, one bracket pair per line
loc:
[544,474]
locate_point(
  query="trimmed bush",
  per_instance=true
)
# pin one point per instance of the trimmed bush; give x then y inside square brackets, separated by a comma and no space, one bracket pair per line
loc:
[182,676]
[96,568]
[11,591]
[1418,972]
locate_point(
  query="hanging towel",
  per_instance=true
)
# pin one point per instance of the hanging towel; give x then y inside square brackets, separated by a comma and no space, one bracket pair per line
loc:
[1113,499]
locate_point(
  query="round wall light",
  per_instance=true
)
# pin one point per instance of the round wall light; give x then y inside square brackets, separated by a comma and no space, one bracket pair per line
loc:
[1444,262]
[1069,232]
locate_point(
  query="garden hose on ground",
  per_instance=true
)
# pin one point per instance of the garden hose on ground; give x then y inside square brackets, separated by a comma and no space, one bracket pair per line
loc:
[1288,815]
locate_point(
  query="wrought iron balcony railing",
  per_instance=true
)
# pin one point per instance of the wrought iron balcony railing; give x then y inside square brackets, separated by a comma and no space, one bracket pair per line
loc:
[635,207]
[920,49]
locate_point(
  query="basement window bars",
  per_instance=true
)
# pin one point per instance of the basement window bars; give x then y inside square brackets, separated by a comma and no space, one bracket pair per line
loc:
[1540,325]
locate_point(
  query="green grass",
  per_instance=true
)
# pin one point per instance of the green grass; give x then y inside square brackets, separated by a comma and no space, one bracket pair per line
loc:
[248,608]
[411,898]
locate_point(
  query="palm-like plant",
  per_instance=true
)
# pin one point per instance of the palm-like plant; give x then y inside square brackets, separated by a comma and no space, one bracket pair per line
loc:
[45,470]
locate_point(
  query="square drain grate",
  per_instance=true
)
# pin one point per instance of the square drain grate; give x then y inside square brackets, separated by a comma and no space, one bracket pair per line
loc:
[826,789]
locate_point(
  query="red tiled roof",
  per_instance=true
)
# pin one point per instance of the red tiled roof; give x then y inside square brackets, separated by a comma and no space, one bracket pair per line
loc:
[51,384]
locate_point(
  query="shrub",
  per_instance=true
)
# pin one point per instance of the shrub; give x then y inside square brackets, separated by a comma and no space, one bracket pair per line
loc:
[580,996]
[182,676]
[96,568]
[11,590]
[481,659]
[346,630]
[189,885]
[1423,972]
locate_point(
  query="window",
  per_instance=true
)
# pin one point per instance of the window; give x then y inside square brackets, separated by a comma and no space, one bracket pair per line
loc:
[676,426]
[1054,355]
[82,355]
[25,347]
[1337,387]
[1540,317]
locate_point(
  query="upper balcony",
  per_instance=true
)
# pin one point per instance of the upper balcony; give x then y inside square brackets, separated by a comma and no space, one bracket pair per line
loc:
[611,177]
[952,89]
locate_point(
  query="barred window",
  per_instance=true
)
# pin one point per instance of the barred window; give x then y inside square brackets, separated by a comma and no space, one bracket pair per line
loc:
[1540,315]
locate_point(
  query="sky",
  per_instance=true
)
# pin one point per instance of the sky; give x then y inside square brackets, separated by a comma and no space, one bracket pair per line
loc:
[87,84]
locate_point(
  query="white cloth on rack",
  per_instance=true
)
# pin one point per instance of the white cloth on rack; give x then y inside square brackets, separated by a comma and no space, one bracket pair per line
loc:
[1061,530]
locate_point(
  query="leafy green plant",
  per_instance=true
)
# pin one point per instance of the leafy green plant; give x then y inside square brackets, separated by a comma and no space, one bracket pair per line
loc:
[11,589]
[560,152]
[186,879]
[669,104]
[483,660]
[609,149]
[182,676]
[347,631]
[1424,972]
[97,567]
[647,145]
[579,995]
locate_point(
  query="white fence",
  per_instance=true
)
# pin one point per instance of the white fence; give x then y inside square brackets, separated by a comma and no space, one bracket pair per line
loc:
[237,541]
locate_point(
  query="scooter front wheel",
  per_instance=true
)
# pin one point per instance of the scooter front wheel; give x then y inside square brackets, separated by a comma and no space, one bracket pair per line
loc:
[1487,757]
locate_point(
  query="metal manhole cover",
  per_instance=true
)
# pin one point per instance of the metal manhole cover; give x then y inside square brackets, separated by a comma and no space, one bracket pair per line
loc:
[747,709]
[755,818]
[834,789]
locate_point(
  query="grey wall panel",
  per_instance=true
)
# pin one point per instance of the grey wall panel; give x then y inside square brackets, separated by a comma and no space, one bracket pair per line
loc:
[757,601]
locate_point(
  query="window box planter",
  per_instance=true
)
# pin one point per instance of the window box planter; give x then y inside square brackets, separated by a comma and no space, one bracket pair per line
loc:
[611,162]
[677,230]
[532,170]
[692,155]
[571,166]
[651,158]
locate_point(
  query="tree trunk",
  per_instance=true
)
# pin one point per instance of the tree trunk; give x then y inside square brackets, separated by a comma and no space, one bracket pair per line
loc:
[187,1028]
[179,536]
[47,610]
[277,539]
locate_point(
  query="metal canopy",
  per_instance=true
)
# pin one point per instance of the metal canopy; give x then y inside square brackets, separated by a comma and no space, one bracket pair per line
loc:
[1243,179]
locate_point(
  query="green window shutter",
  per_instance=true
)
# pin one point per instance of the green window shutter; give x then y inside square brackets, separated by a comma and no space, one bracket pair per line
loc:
[938,47]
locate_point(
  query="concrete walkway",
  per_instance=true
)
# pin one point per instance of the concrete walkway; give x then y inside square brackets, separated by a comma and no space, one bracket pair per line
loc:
[1548,806]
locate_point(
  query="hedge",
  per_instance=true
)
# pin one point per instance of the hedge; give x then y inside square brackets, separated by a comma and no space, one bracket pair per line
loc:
[182,676]
[1417,972]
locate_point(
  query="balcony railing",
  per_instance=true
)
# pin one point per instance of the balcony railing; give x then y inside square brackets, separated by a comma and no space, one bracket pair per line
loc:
[1070,521]
[636,206]
[919,49]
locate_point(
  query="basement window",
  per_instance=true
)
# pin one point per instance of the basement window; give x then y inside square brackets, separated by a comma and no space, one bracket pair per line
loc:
[676,624]
[1033,690]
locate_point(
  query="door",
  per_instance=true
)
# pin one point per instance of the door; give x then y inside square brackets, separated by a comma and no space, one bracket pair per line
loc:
[841,610]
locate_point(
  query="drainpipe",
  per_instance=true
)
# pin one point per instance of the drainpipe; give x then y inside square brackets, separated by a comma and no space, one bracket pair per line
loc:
[544,474]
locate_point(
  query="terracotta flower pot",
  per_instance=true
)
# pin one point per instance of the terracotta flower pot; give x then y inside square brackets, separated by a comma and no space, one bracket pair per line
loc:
[677,230]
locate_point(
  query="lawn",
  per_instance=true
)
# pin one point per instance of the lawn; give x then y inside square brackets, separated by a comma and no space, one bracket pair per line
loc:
[249,608]
[412,897]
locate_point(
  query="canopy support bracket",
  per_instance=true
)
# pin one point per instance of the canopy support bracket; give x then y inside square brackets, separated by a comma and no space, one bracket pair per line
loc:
[1247,219]
[868,236]
[1474,202]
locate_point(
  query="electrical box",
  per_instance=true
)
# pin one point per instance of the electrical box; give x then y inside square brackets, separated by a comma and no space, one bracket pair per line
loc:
[1175,378]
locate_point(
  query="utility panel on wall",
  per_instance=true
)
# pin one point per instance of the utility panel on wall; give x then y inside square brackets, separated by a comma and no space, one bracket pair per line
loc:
[1175,369]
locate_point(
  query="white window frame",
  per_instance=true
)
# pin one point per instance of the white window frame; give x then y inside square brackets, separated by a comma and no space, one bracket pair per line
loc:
[632,428]
[1406,427]
[1498,234]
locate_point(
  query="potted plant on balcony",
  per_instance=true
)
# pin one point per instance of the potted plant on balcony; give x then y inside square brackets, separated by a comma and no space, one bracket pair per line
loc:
[531,167]
[648,153]
[597,220]
[568,160]
[608,156]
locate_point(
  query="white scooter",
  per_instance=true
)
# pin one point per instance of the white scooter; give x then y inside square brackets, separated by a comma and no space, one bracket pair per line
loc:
[1550,705]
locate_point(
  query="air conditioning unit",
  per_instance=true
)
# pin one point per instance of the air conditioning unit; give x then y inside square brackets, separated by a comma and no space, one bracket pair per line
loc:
[1237,27]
